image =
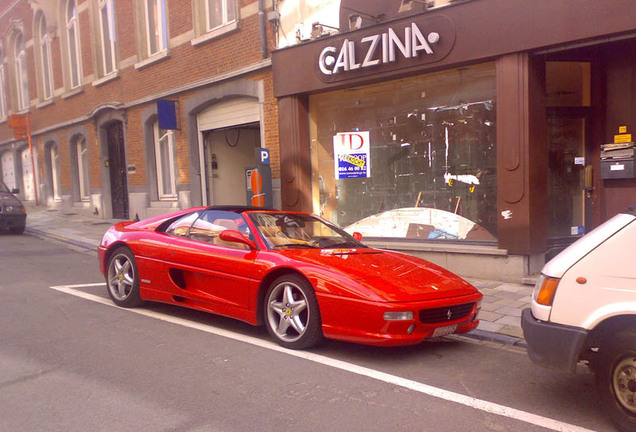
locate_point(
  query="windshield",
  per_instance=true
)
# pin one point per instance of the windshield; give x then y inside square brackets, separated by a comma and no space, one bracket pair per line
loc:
[4,188]
[301,231]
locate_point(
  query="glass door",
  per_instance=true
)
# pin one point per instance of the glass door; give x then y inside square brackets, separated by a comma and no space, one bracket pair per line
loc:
[566,175]
[568,100]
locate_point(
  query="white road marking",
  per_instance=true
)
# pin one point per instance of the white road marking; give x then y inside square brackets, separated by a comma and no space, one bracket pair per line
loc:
[472,402]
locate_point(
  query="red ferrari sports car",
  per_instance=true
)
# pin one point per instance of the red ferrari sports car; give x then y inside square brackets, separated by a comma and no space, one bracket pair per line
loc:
[299,275]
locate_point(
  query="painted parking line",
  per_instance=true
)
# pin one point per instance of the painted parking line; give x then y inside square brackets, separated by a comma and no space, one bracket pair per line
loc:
[419,387]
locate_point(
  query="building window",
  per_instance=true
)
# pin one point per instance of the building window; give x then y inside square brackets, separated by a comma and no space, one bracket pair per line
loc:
[156,32]
[213,18]
[3,90]
[219,13]
[81,155]
[44,47]
[165,160]
[411,158]
[73,46]
[22,79]
[107,35]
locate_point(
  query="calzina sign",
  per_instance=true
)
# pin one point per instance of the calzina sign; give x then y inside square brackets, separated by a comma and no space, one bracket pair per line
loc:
[411,43]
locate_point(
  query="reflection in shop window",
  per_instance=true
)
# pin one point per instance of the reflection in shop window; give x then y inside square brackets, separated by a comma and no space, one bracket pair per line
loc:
[428,170]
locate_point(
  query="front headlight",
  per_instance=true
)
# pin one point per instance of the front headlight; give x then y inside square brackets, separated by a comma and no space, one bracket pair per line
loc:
[399,316]
[545,290]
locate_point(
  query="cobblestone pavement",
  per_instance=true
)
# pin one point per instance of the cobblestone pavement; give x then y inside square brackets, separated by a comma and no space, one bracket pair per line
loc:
[500,317]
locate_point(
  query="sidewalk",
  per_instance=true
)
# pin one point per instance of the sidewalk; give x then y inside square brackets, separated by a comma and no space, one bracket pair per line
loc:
[500,310]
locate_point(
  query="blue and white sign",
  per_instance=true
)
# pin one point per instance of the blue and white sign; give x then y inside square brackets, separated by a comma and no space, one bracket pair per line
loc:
[264,155]
[352,155]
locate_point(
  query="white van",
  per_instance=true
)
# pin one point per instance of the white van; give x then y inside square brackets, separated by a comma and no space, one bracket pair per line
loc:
[584,309]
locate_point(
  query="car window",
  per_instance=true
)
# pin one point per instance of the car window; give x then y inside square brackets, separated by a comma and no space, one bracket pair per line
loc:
[294,230]
[181,227]
[212,222]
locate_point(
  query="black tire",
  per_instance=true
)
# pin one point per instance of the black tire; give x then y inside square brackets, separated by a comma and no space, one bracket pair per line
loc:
[122,278]
[291,313]
[616,379]
[17,230]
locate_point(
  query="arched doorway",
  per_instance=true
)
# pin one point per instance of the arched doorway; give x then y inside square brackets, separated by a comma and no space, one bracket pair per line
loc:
[8,170]
[229,133]
[117,169]
[53,173]
[28,192]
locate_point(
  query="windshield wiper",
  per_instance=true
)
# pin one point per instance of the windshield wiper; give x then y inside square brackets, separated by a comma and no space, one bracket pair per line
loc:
[347,244]
[294,245]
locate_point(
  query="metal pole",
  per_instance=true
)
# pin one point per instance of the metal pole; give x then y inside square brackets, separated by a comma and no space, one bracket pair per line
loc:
[35,180]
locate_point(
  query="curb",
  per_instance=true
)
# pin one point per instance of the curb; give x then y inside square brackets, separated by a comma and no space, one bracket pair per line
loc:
[47,236]
[482,335]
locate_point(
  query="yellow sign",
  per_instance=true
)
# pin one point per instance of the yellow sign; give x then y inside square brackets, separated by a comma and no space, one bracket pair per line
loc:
[622,129]
[622,138]
[354,160]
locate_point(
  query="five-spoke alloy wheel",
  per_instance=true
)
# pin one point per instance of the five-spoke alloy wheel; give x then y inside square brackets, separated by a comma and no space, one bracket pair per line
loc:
[291,314]
[122,279]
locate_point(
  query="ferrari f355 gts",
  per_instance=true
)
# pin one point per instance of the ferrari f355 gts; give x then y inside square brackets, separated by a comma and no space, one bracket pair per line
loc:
[302,277]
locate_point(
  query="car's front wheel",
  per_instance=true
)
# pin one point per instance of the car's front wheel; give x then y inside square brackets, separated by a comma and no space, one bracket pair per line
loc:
[616,379]
[292,316]
[122,278]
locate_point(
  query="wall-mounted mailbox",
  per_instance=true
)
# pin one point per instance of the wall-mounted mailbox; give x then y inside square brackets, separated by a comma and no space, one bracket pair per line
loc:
[617,161]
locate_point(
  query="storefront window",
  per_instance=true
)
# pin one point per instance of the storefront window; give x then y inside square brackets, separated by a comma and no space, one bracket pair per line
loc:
[411,158]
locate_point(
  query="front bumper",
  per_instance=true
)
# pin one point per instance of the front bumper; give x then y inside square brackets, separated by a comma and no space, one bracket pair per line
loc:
[362,321]
[552,345]
[12,220]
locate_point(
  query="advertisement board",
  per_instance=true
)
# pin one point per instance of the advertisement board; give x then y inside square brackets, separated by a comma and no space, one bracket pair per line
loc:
[352,155]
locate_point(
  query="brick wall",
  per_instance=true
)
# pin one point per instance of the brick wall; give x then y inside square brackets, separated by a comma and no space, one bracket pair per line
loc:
[134,89]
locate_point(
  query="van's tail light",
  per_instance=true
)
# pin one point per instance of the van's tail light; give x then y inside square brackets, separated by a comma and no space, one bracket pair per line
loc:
[545,289]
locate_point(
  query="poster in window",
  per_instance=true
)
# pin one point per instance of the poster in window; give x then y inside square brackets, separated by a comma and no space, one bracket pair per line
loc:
[351,152]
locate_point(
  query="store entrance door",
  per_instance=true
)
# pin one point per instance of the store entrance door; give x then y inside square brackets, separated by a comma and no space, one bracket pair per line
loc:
[569,174]
[567,166]
[117,166]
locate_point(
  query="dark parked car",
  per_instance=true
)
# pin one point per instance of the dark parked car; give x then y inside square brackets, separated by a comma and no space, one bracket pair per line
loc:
[12,212]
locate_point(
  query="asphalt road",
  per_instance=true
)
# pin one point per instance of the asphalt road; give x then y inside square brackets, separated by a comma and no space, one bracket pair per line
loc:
[71,361]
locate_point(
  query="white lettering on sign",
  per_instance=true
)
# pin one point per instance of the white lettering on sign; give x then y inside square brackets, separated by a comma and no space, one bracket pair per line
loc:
[331,61]
[264,156]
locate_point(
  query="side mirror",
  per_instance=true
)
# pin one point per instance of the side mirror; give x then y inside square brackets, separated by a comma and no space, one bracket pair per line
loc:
[234,236]
[15,191]
[357,236]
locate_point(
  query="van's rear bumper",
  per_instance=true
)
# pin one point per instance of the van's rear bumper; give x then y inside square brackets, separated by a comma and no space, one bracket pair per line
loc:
[552,345]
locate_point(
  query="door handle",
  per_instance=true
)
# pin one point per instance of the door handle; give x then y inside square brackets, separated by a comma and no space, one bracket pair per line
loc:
[589,180]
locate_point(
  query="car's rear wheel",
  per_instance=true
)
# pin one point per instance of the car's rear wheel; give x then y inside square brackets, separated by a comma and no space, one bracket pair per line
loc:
[292,316]
[122,278]
[616,379]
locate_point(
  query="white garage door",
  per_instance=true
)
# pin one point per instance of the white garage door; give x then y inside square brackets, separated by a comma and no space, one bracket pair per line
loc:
[8,175]
[27,175]
[230,113]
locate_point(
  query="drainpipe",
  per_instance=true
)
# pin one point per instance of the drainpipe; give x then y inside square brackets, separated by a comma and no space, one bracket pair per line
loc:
[262,27]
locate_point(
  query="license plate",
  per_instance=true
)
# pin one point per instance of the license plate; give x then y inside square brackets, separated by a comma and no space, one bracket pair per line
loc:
[443,331]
